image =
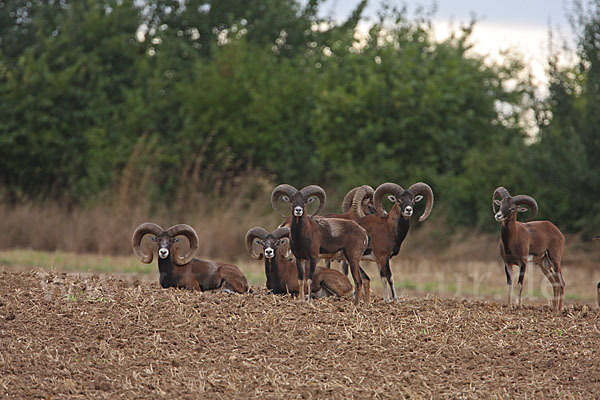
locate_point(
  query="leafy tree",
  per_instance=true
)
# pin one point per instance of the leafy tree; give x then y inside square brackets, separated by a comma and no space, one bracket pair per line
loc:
[61,102]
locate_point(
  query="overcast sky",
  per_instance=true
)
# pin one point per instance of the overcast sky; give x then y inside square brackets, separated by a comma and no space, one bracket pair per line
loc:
[502,24]
[508,12]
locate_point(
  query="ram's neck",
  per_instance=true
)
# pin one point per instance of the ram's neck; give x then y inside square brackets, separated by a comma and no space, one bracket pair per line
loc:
[399,225]
[508,229]
[297,227]
[165,268]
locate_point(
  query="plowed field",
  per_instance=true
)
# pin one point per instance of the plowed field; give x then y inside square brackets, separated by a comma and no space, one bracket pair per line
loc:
[105,337]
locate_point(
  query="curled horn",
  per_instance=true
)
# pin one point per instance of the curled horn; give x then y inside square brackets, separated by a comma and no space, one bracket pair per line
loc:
[256,232]
[363,192]
[424,190]
[349,198]
[280,233]
[528,201]
[502,192]
[382,190]
[192,237]
[315,190]
[136,240]
[279,191]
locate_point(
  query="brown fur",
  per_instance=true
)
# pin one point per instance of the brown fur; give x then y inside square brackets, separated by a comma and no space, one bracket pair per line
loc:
[387,235]
[208,275]
[540,239]
[311,236]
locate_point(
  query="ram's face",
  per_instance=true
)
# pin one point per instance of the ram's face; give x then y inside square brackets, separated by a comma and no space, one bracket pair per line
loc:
[165,243]
[507,208]
[406,202]
[368,207]
[298,203]
[270,245]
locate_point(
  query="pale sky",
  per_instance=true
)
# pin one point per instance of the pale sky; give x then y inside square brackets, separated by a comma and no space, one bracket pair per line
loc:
[508,24]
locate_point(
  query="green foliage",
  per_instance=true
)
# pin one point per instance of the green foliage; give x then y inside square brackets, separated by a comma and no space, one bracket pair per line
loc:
[195,93]
[564,163]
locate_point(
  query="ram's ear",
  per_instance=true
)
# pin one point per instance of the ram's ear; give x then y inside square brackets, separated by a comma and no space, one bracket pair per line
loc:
[497,202]
[285,198]
[521,209]
[392,198]
[310,200]
[418,198]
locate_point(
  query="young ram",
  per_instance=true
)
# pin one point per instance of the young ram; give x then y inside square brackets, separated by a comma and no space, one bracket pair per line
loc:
[185,272]
[281,270]
[537,241]
[311,236]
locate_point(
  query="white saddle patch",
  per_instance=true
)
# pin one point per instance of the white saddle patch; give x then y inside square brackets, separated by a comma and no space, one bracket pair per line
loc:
[334,228]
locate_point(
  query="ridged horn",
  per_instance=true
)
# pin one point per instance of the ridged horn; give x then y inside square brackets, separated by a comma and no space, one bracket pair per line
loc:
[349,198]
[256,232]
[502,192]
[424,190]
[282,232]
[283,189]
[363,192]
[136,240]
[528,201]
[192,237]
[315,190]
[382,190]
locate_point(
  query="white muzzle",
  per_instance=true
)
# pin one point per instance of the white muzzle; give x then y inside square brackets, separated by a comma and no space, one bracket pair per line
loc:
[163,253]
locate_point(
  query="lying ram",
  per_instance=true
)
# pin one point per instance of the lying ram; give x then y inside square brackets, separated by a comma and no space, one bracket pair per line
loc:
[186,272]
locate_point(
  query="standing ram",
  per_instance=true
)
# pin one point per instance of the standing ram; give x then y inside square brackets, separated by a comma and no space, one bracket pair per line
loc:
[280,266]
[537,241]
[357,203]
[185,272]
[387,231]
[311,236]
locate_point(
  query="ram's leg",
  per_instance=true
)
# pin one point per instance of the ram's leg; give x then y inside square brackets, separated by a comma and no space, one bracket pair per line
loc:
[384,284]
[558,278]
[300,267]
[310,274]
[356,276]
[520,283]
[508,270]
[366,284]
[345,267]
[380,261]
[545,266]
[390,279]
